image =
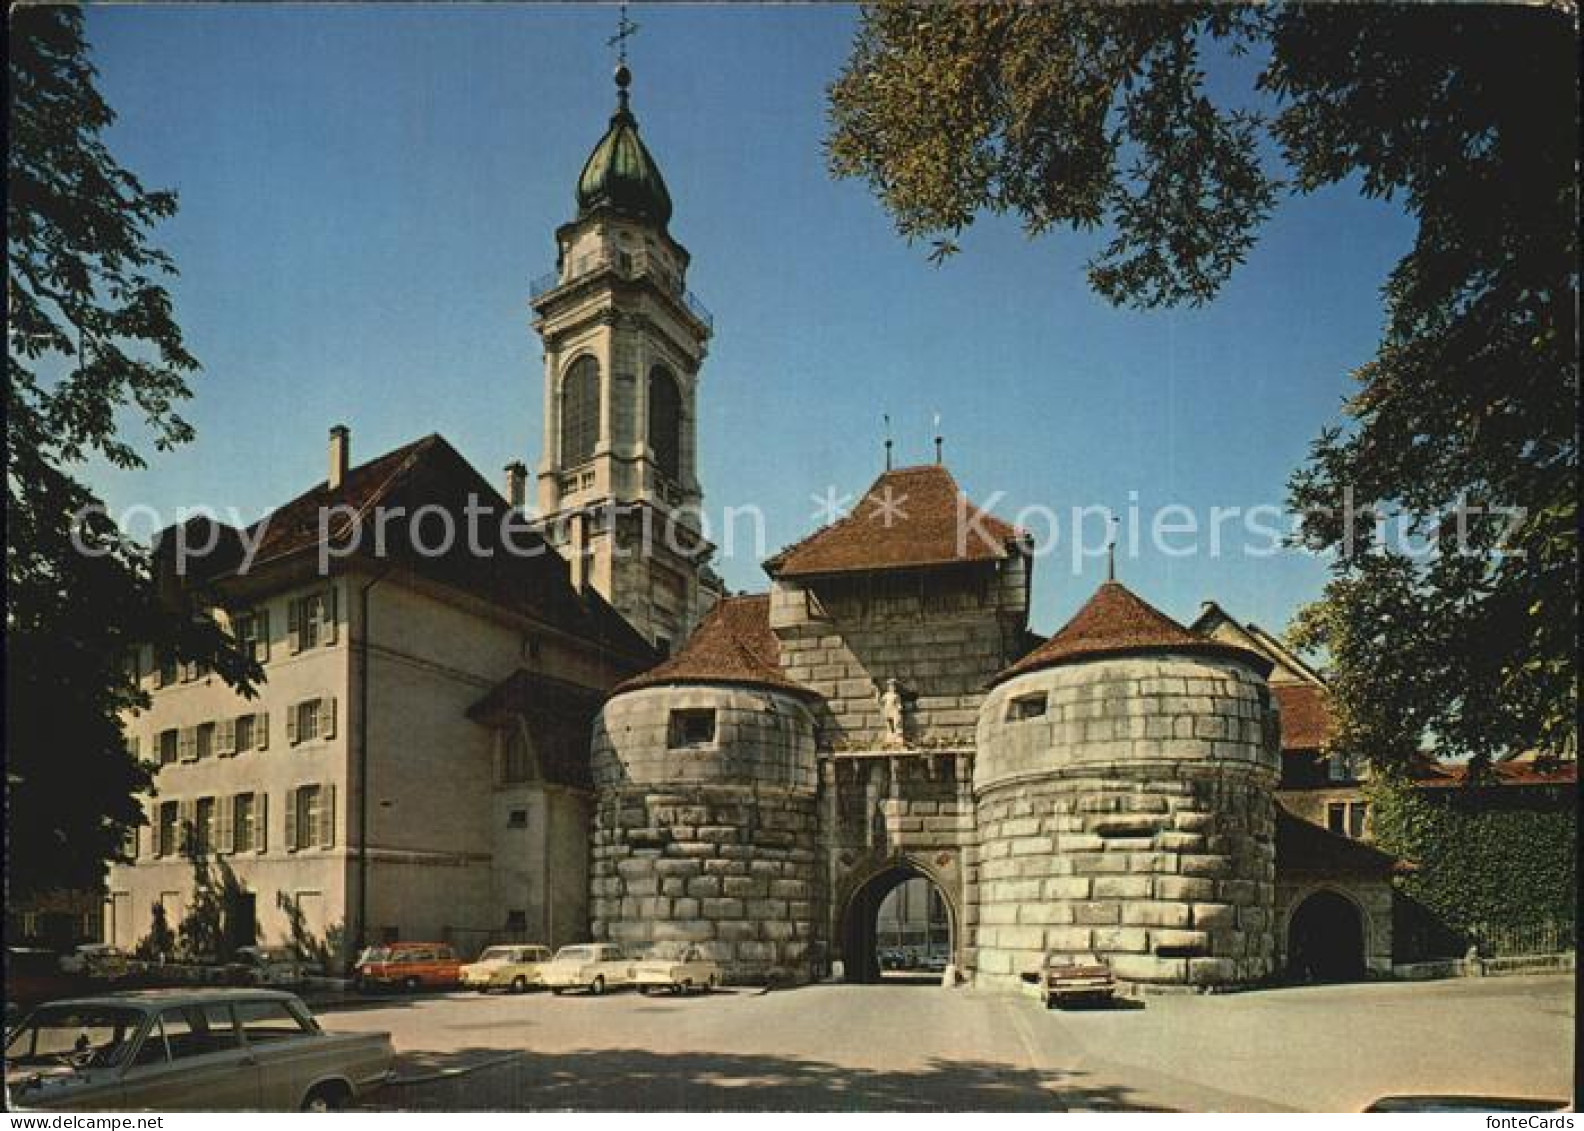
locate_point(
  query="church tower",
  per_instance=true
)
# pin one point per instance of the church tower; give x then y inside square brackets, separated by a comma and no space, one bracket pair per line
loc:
[624,340]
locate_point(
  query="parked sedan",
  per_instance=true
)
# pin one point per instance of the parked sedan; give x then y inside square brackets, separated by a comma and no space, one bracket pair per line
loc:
[678,967]
[98,960]
[188,1050]
[595,967]
[515,968]
[268,966]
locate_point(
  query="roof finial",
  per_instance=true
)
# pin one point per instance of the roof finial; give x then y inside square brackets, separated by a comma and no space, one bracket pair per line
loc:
[887,418]
[938,440]
[625,29]
[1115,524]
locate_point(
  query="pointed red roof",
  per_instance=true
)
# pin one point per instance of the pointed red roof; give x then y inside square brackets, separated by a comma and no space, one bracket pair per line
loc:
[909,517]
[1116,621]
[733,644]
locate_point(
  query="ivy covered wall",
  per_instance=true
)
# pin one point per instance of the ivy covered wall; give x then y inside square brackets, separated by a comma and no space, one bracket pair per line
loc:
[1488,857]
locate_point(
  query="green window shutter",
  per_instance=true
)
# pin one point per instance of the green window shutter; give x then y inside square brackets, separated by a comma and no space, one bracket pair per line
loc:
[261,730]
[327,821]
[327,717]
[260,822]
[224,828]
[327,612]
[187,744]
[294,615]
[291,725]
[262,627]
[226,737]
[291,820]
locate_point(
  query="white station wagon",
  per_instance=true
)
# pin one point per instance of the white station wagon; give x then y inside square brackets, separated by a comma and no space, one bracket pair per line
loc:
[188,1050]
[595,967]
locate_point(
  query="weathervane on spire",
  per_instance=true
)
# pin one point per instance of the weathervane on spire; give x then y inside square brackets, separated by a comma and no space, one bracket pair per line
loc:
[625,30]
[887,418]
[1116,525]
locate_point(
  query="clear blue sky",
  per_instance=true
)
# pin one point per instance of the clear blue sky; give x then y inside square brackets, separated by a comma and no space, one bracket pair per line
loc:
[366,193]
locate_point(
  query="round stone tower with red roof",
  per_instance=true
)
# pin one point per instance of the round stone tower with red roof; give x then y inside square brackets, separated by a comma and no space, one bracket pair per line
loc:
[1123,786]
[705,822]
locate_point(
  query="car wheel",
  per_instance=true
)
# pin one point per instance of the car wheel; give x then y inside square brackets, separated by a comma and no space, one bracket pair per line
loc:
[558,990]
[326,1097]
[597,986]
[714,983]
[411,985]
[519,985]
[679,988]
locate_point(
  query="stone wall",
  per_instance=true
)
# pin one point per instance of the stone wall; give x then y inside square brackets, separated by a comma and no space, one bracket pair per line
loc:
[713,843]
[1132,817]
[941,634]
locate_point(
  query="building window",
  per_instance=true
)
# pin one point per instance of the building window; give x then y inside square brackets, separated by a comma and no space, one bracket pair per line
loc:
[307,806]
[167,843]
[252,634]
[245,731]
[242,823]
[310,719]
[1026,707]
[204,825]
[1336,817]
[310,817]
[665,422]
[165,673]
[204,740]
[311,620]
[517,762]
[1358,811]
[1339,767]
[516,921]
[692,728]
[169,746]
[580,411]
[517,819]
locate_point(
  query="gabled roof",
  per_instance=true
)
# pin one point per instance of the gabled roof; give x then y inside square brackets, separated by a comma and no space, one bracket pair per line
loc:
[733,644]
[909,517]
[524,575]
[1216,623]
[1115,621]
[1305,847]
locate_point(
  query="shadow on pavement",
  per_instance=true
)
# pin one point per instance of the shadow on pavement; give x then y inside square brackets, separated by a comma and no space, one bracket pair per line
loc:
[639,1080]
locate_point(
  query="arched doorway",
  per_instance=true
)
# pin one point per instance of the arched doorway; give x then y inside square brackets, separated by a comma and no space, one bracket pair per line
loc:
[1325,939]
[898,926]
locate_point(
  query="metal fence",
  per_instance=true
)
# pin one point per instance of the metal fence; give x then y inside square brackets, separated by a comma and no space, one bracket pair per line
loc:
[1505,940]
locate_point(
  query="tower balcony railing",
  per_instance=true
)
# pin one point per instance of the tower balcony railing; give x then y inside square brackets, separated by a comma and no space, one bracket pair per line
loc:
[629,266]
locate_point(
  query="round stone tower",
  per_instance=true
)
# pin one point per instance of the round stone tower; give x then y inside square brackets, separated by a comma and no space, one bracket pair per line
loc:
[705,818]
[1123,787]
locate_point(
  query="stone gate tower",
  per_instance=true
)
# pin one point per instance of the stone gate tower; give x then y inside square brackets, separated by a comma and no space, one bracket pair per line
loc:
[623,344]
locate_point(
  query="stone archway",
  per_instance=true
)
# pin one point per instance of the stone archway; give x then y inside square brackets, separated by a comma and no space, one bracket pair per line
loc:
[858,937]
[1326,938]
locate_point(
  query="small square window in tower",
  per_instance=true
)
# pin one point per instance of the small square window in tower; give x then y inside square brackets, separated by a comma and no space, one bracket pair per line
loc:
[1026,707]
[692,727]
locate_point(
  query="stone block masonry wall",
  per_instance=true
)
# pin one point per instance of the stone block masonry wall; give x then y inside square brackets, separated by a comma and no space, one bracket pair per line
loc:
[711,842]
[728,867]
[940,636]
[1125,808]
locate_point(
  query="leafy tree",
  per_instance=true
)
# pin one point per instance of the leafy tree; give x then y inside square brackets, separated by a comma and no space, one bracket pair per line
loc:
[90,338]
[1101,117]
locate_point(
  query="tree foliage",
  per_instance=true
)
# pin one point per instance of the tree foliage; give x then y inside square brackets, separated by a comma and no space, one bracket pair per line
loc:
[90,338]
[1085,117]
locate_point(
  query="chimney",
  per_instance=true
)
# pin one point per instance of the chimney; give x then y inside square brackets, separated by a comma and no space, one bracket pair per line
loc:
[340,454]
[516,484]
[577,550]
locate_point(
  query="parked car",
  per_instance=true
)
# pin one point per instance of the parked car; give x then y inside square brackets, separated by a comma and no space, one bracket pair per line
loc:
[1069,978]
[678,967]
[595,967]
[409,966]
[268,966]
[98,960]
[511,967]
[188,1050]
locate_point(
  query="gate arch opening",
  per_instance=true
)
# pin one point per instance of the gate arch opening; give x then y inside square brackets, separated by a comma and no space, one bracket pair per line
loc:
[898,925]
[1325,939]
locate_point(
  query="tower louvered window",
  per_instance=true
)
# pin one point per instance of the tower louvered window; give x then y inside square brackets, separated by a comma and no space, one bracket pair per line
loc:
[665,421]
[580,411]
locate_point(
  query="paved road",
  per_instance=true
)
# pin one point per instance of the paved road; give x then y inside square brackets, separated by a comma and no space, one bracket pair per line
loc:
[905,1048]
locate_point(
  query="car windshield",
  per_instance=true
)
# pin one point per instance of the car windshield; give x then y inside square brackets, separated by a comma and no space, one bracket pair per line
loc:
[671,951]
[575,954]
[374,954]
[500,954]
[83,1036]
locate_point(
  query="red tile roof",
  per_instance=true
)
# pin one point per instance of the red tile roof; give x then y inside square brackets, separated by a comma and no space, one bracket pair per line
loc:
[1305,847]
[527,576]
[909,517]
[1448,775]
[1115,621]
[733,644]
[1306,715]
